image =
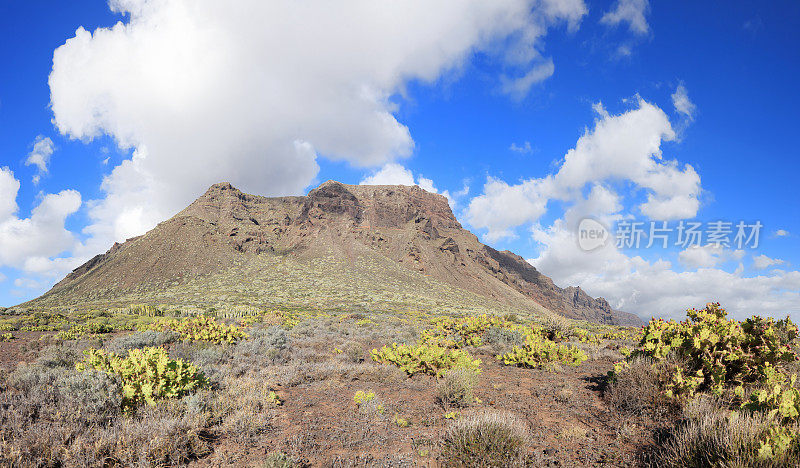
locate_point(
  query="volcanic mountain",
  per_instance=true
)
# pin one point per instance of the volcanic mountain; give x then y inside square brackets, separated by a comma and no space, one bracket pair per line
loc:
[353,247]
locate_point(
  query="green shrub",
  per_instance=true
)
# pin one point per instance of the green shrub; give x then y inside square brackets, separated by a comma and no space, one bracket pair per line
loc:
[6,336]
[537,351]
[202,329]
[488,439]
[82,330]
[146,374]
[720,352]
[278,460]
[426,359]
[503,336]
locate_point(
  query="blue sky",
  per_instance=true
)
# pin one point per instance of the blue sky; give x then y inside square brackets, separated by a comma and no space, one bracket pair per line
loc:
[142,117]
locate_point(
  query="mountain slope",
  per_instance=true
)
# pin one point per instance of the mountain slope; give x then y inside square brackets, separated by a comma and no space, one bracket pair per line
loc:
[370,247]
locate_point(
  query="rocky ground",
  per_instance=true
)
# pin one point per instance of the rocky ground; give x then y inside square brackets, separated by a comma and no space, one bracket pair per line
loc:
[317,368]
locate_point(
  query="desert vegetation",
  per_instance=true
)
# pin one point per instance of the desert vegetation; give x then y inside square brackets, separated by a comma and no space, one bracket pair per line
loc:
[155,386]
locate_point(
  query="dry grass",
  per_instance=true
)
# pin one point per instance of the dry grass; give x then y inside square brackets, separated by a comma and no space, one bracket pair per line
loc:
[715,437]
[486,439]
[638,390]
[457,388]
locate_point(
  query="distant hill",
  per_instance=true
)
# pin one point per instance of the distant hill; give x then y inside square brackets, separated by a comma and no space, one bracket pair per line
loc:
[341,246]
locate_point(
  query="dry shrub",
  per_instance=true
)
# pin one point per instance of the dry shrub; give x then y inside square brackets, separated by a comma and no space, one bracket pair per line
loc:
[58,417]
[149,338]
[638,390]
[457,388]
[487,439]
[278,460]
[714,437]
[164,435]
[556,327]
[243,409]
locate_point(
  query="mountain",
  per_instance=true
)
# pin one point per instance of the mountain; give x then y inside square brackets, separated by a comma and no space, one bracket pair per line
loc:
[357,247]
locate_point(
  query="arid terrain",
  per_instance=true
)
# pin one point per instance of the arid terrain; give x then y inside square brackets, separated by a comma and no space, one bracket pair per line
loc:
[363,326]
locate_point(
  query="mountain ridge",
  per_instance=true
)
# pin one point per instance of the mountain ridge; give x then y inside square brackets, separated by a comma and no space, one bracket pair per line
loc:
[373,245]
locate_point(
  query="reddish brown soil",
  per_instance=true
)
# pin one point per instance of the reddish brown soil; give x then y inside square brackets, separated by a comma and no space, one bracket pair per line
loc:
[18,350]
[320,424]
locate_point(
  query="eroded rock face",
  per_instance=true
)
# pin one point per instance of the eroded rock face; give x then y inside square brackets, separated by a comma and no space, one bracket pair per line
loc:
[407,225]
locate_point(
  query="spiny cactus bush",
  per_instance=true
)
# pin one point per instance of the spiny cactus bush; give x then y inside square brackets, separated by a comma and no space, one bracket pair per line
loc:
[146,310]
[449,332]
[147,375]
[720,352]
[723,356]
[426,359]
[83,330]
[537,351]
[584,336]
[202,329]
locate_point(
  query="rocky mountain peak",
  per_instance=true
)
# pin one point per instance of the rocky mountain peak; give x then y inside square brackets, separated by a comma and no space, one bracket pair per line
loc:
[403,236]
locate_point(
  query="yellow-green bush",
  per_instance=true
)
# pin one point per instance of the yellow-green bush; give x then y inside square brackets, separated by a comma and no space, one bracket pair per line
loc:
[720,352]
[79,331]
[537,351]
[201,329]
[724,356]
[449,332]
[6,336]
[426,359]
[147,374]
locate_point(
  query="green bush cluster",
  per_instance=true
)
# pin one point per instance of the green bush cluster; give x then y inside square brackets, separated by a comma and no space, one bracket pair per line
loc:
[426,359]
[720,352]
[729,358]
[537,351]
[202,329]
[6,336]
[147,375]
[80,331]
[449,332]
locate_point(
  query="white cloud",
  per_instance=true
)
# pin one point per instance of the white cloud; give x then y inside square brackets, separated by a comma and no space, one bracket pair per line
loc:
[682,103]
[654,288]
[524,148]
[9,186]
[40,156]
[762,262]
[204,92]
[781,233]
[632,12]
[503,207]
[519,87]
[707,256]
[390,174]
[27,283]
[42,234]
[396,174]
[625,147]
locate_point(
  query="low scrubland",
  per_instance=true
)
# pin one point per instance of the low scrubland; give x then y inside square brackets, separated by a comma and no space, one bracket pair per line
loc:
[156,386]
